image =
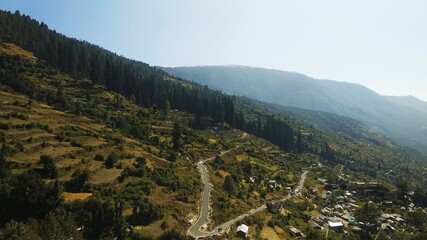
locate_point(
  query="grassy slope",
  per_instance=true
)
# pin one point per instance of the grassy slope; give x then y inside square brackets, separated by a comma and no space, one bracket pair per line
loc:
[35,128]
[93,138]
[68,158]
[96,136]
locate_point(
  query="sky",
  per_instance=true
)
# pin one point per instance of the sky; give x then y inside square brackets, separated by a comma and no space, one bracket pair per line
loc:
[380,44]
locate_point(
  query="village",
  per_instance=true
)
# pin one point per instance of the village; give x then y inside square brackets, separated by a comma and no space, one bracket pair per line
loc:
[335,207]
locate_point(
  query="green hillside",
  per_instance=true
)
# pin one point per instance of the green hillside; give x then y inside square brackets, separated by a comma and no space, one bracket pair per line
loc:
[104,148]
[112,148]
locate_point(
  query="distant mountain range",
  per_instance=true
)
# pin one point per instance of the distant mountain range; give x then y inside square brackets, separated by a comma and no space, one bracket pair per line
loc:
[402,118]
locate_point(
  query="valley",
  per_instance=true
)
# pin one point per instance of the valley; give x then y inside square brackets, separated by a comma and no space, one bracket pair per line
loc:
[98,146]
[383,114]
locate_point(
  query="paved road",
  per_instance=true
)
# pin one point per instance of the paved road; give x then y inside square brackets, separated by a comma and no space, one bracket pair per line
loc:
[226,225]
[298,190]
[203,219]
[204,213]
[196,229]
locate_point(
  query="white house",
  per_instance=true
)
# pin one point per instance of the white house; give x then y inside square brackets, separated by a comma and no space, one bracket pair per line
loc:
[336,226]
[242,231]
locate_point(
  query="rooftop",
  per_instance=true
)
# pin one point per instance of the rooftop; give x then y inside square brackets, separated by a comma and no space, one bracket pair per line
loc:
[335,224]
[243,228]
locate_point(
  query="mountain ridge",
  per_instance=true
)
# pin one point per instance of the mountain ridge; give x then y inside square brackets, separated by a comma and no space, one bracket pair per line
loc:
[127,141]
[299,90]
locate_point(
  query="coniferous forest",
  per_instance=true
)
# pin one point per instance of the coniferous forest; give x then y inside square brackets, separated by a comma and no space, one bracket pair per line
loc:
[148,85]
[97,146]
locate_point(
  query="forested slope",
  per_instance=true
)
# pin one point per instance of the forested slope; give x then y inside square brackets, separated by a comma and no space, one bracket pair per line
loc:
[403,122]
[81,123]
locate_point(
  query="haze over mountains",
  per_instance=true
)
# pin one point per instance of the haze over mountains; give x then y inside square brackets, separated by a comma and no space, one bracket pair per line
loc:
[403,118]
[113,148]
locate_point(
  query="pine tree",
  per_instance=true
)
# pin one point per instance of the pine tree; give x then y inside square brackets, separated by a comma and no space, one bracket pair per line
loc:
[229,185]
[368,214]
[176,136]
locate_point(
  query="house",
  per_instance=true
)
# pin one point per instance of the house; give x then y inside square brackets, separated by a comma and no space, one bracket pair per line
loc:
[336,226]
[339,208]
[296,233]
[387,227]
[242,231]
[273,184]
[252,179]
[347,218]
[326,211]
[400,220]
[348,194]
[340,199]
[388,203]
[353,206]
[357,183]
[321,180]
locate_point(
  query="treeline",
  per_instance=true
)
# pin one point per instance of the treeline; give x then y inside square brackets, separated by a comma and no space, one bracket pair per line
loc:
[128,77]
[148,86]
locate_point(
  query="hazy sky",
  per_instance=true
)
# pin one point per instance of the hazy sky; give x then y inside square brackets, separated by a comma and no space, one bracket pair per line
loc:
[381,44]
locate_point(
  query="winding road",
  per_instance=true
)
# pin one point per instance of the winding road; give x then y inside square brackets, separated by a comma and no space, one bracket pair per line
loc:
[199,228]
[203,220]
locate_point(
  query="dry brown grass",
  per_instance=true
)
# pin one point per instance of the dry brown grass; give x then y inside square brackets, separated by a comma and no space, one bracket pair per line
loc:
[279,230]
[269,233]
[71,197]
[223,173]
[90,141]
[64,163]
[105,176]
[267,219]
[12,49]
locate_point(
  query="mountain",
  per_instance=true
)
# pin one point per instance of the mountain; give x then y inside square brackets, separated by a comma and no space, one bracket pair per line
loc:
[113,148]
[401,118]
[409,101]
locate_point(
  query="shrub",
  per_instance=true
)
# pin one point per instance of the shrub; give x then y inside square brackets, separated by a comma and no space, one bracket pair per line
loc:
[18,230]
[172,234]
[78,182]
[111,160]
[74,143]
[2,137]
[49,168]
[4,126]
[99,157]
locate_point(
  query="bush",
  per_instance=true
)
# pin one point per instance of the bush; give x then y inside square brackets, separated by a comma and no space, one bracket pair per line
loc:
[4,126]
[17,231]
[31,197]
[78,182]
[172,235]
[59,225]
[49,168]
[96,215]
[2,137]
[144,212]
[173,156]
[99,157]
[111,160]
[74,143]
